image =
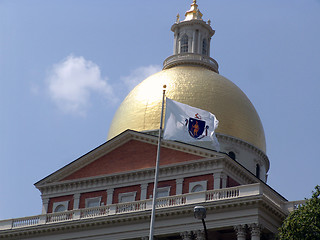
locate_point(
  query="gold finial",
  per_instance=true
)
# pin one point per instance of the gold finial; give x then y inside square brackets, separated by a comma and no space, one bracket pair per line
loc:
[193,13]
[178,18]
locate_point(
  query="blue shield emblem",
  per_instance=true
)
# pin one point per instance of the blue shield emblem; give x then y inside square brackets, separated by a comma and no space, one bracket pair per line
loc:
[196,127]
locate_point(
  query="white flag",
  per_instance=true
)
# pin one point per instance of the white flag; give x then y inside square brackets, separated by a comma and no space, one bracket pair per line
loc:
[189,124]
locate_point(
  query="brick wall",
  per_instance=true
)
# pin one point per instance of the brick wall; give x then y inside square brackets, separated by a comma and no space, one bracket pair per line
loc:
[231,182]
[133,155]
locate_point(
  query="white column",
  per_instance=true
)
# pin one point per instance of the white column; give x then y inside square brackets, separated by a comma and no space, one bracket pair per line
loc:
[143,187]
[255,231]
[110,195]
[194,42]
[76,200]
[179,185]
[217,180]
[240,231]
[45,204]
[199,43]
[224,180]
[175,42]
[187,235]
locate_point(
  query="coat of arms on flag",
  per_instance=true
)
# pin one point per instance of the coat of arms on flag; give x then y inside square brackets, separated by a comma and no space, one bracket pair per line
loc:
[197,127]
[189,124]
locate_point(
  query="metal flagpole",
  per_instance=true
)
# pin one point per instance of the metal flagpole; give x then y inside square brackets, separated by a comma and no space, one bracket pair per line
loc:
[157,170]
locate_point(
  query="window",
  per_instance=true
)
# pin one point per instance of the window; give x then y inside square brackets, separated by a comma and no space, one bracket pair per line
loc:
[184,44]
[93,202]
[163,192]
[127,197]
[204,47]
[198,186]
[60,206]
[258,171]
[232,155]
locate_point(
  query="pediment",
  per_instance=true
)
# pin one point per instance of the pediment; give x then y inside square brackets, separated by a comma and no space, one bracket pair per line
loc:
[127,152]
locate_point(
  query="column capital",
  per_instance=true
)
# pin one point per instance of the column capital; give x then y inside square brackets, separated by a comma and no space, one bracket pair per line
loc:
[76,195]
[187,235]
[45,200]
[255,229]
[200,235]
[110,190]
[240,231]
[179,180]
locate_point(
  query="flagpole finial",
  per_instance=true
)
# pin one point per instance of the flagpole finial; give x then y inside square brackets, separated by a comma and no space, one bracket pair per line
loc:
[164,88]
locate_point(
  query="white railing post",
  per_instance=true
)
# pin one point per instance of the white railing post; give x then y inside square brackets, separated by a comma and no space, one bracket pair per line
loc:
[43,219]
[77,214]
[113,209]
[6,224]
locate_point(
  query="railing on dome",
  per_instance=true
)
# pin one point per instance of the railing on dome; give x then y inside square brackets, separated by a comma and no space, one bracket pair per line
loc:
[146,205]
[191,58]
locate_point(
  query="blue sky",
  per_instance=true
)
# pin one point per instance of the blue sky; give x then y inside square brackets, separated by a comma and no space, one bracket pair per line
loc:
[66,65]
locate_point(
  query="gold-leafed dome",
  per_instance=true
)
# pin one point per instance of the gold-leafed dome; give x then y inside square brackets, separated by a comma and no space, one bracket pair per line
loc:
[198,87]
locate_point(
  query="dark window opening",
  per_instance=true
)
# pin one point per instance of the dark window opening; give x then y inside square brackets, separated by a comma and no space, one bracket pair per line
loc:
[232,155]
[258,171]
[184,44]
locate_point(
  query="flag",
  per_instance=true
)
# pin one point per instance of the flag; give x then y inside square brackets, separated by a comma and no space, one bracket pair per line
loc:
[189,124]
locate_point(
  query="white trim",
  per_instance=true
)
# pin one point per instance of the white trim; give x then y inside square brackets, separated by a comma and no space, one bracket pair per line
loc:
[127,194]
[63,203]
[203,184]
[93,200]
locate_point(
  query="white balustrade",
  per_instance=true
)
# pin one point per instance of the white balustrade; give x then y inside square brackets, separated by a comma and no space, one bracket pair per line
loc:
[25,222]
[164,202]
[94,212]
[59,217]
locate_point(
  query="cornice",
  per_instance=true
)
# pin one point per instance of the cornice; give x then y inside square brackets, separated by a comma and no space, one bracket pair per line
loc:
[137,177]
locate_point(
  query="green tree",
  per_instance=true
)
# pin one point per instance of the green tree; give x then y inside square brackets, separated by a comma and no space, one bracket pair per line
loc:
[304,222]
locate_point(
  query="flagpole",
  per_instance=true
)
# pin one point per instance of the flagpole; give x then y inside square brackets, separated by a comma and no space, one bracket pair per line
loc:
[157,170]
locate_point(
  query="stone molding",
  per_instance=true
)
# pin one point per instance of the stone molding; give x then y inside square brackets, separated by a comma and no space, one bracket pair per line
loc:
[168,172]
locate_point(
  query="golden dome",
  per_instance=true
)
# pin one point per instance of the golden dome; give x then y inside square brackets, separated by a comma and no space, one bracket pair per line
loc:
[198,87]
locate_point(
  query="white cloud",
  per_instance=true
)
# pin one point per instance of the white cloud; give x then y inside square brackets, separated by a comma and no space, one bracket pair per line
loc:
[139,74]
[72,82]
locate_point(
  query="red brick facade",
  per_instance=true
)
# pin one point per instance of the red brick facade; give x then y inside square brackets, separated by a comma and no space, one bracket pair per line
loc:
[133,155]
[231,182]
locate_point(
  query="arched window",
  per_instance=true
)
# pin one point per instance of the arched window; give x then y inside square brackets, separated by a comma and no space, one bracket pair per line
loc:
[232,155]
[197,188]
[60,208]
[184,44]
[204,47]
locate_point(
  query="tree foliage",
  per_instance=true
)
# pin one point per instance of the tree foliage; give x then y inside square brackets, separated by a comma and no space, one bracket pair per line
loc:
[304,222]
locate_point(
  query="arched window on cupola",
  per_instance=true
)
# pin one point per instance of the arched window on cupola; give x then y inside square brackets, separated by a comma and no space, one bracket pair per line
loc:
[204,47]
[184,44]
